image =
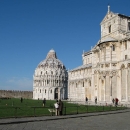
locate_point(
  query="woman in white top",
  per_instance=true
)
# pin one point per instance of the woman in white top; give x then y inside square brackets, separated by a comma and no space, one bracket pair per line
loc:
[56,105]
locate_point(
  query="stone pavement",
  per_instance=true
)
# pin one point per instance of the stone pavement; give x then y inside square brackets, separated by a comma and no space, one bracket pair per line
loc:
[114,120]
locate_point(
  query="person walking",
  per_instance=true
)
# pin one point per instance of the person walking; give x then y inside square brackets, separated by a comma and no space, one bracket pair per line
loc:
[96,100]
[44,102]
[21,99]
[86,100]
[116,101]
[113,100]
[60,107]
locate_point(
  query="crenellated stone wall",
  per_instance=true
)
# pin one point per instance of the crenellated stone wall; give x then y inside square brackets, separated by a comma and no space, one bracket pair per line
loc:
[16,94]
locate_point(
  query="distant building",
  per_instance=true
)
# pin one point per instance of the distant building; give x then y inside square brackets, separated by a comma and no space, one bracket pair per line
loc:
[50,79]
[105,73]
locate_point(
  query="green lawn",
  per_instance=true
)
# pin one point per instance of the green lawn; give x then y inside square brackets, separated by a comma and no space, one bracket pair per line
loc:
[14,108]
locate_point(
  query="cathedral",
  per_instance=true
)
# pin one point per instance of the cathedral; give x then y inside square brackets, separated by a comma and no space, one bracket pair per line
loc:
[50,79]
[105,73]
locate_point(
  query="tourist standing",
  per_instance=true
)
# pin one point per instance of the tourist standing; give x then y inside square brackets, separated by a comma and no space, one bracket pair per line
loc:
[113,100]
[116,101]
[96,100]
[60,107]
[86,100]
[21,99]
[56,105]
[44,102]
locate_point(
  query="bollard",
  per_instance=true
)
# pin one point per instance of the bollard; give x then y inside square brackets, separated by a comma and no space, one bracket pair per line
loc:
[15,112]
[103,107]
[65,111]
[87,108]
[12,103]
[34,111]
[110,107]
[52,111]
[77,109]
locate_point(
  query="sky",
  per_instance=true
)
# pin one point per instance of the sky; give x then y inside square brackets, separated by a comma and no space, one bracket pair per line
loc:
[30,28]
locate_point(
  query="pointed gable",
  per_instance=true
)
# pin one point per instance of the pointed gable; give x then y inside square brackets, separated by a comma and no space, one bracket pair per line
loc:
[108,16]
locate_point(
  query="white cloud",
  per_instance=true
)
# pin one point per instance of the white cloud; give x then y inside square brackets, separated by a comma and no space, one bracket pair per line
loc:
[14,83]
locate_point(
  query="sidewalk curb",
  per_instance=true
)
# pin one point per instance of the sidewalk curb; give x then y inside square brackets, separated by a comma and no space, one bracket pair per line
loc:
[64,117]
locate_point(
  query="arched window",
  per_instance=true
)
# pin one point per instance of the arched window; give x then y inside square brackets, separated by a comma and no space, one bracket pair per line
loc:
[129,26]
[45,90]
[76,85]
[51,90]
[40,90]
[90,83]
[41,72]
[125,45]
[109,29]
[113,47]
[125,57]
[83,84]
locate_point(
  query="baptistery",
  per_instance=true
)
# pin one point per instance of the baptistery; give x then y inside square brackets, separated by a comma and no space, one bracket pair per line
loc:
[50,78]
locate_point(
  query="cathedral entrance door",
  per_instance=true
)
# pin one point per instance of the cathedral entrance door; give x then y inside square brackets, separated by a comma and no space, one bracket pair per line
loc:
[56,93]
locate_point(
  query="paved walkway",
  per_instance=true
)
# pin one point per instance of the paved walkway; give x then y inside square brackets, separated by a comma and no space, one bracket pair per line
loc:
[114,120]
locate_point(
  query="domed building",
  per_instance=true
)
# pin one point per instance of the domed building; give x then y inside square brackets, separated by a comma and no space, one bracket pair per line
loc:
[50,78]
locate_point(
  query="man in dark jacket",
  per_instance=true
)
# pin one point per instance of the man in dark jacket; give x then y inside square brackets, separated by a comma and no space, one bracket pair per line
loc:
[44,102]
[60,107]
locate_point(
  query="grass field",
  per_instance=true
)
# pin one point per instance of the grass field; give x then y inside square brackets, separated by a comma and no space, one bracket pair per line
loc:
[14,108]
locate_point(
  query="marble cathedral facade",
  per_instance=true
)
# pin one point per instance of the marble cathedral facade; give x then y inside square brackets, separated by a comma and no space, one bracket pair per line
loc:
[105,72]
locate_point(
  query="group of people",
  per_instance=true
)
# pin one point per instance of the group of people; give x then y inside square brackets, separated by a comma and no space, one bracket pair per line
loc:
[95,100]
[58,107]
[115,101]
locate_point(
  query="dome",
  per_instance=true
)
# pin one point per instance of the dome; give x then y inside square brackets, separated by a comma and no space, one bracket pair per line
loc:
[52,50]
[51,64]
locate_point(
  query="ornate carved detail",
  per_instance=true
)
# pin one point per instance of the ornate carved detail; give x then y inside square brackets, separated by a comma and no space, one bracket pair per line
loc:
[101,72]
[102,65]
[107,73]
[128,65]
[95,72]
[122,66]
[97,65]
[114,64]
[107,44]
[113,73]
[107,65]
[104,45]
